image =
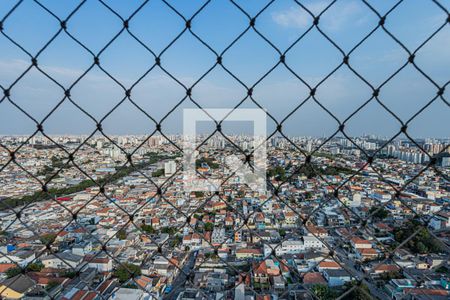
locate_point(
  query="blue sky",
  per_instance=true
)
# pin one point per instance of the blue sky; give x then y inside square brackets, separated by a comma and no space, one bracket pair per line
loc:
[346,22]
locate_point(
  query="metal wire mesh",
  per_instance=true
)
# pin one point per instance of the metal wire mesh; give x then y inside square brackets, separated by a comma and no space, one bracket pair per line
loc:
[295,207]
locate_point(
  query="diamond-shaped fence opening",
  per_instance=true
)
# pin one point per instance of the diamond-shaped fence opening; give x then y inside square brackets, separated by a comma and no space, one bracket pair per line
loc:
[91,164]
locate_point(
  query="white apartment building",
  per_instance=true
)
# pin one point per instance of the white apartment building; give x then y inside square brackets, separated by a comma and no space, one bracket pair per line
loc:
[170,168]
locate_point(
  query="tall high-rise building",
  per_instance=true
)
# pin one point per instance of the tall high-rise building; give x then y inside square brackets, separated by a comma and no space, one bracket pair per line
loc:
[99,144]
[170,168]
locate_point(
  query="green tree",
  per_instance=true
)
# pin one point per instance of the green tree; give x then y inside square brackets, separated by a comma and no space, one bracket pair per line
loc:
[158,173]
[199,194]
[35,267]
[422,242]
[126,271]
[51,285]
[13,272]
[69,274]
[122,234]
[209,161]
[361,292]
[420,247]
[443,270]
[169,230]
[47,238]
[148,229]
[323,292]
[279,173]
[209,226]
[386,276]
[176,241]
[380,213]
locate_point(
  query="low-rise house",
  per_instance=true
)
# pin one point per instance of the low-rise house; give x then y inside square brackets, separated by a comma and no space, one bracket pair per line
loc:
[193,241]
[328,265]
[286,247]
[19,256]
[278,283]
[129,294]
[385,268]
[311,242]
[248,253]
[260,274]
[336,277]
[218,236]
[4,267]
[359,243]
[316,231]
[396,287]
[435,260]
[64,260]
[82,248]
[102,264]
[440,220]
[216,282]
[427,293]
[365,254]
[16,287]
[313,278]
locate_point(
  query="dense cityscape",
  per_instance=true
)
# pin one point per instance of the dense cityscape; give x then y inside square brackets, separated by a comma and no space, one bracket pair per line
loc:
[107,217]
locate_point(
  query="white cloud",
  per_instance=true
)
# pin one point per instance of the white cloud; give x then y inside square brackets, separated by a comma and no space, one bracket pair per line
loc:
[292,17]
[296,16]
[334,19]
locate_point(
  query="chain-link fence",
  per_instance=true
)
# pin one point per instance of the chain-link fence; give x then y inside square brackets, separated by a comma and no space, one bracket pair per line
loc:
[356,224]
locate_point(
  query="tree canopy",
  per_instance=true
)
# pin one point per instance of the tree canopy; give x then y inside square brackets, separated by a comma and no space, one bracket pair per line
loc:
[126,271]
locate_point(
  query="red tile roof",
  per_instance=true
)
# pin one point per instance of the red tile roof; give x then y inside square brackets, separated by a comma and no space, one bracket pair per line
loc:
[313,278]
[6,267]
[329,265]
